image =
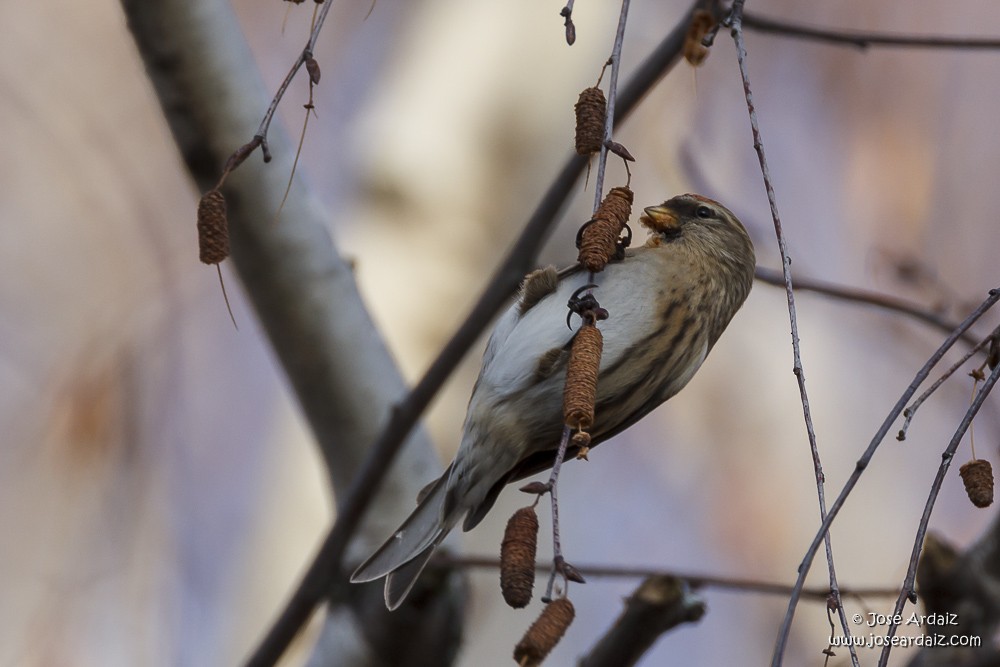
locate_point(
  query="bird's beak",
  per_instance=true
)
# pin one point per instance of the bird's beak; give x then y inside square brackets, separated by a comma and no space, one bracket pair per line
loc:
[660,219]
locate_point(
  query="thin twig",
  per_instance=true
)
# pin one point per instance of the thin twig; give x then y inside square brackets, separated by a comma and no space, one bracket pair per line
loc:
[558,563]
[553,484]
[736,18]
[324,572]
[615,60]
[864,40]
[907,591]
[783,632]
[696,581]
[305,55]
[912,409]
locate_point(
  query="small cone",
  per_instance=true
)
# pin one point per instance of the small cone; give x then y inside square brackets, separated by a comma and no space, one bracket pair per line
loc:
[977,475]
[544,633]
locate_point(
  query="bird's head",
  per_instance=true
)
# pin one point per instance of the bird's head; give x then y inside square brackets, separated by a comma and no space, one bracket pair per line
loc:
[703,225]
[699,217]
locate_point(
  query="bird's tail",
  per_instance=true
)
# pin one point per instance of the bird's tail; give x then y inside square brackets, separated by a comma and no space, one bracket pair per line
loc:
[405,554]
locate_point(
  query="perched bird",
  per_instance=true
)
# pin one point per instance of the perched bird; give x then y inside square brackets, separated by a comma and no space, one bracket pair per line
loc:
[669,301]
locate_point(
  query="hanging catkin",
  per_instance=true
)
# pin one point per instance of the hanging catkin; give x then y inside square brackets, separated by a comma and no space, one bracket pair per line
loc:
[544,633]
[977,475]
[213,230]
[591,114]
[517,557]
[581,377]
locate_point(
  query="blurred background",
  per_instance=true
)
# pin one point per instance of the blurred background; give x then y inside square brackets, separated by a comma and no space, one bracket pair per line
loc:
[159,492]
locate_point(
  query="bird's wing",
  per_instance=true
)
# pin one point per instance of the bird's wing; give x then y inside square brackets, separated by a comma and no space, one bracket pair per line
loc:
[516,351]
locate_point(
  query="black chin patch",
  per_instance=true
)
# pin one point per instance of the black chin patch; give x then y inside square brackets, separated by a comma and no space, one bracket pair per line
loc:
[670,234]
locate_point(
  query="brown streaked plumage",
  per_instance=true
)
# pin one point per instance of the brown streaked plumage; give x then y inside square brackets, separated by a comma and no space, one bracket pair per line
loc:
[669,301]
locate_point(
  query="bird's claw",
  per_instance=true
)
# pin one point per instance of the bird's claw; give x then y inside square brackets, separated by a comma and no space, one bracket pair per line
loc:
[585,306]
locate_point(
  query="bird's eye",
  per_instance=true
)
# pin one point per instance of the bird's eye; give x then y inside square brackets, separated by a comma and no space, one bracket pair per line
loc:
[704,212]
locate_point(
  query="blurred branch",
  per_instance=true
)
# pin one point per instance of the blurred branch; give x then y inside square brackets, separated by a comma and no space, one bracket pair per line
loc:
[695,581]
[962,592]
[659,604]
[304,293]
[866,297]
[735,21]
[864,40]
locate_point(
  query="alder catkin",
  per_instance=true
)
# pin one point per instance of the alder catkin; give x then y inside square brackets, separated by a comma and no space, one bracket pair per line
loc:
[977,475]
[591,115]
[517,557]
[213,229]
[581,377]
[544,633]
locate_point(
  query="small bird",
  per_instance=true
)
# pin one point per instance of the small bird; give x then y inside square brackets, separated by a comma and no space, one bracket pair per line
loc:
[669,301]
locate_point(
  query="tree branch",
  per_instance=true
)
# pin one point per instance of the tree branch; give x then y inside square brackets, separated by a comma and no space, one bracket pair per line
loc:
[866,297]
[659,604]
[304,293]
[864,40]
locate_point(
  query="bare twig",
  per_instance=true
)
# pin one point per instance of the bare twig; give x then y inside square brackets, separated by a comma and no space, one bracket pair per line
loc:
[735,19]
[803,570]
[912,409]
[907,592]
[307,53]
[864,40]
[615,61]
[553,485]
[324,573]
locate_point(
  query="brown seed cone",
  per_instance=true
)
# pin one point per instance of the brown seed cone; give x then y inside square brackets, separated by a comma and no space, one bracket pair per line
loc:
[591,113]
[544,633]
[598,241]
[977,475]
[581,377]
[213,230]
[517,557]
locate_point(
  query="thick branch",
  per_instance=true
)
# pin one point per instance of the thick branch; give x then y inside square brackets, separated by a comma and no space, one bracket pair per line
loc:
[658,605]
[303,291]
